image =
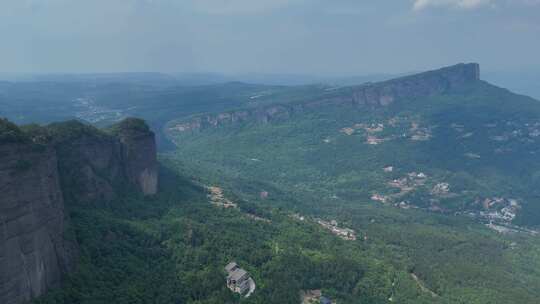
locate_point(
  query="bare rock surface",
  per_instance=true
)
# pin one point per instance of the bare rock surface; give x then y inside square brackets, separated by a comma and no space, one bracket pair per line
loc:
[44,171]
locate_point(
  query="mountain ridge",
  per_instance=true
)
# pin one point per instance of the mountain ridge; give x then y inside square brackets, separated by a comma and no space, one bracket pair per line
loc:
[372,95]
[443,122]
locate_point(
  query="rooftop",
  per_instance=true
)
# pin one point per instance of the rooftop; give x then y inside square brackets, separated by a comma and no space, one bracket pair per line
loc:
[231,266]
[237,274]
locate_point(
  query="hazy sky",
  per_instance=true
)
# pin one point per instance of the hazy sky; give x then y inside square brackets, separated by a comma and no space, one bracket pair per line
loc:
[322,37]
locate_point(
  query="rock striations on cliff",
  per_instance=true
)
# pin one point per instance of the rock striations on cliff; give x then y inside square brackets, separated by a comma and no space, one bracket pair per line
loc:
[43,169]
[372,95]
[139,153]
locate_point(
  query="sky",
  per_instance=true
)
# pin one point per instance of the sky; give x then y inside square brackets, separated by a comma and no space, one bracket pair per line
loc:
[315,37]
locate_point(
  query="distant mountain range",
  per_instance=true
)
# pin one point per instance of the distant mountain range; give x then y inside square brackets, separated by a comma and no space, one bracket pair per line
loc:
[524,81]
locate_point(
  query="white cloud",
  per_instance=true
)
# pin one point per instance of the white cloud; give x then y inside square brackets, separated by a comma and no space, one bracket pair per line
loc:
[462,4]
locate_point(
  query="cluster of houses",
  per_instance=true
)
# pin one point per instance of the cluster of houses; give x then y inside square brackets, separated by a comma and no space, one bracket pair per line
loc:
[406,184]
[239,280]
[348,131]
[415,132]
[298,216]
[380,198]
[89,111]
[420,133]
[440,189]
[370,130]
[344,233]
[499,209]
[409,182]
[374,140]
[314,297]
[218,199]
[404,205]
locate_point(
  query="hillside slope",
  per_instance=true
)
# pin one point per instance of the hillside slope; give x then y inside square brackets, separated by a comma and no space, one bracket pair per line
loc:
[475,143]
[438,170]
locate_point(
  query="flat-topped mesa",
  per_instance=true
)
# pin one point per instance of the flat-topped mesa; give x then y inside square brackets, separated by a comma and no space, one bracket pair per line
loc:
[418,85]
[455,75]
[370,95]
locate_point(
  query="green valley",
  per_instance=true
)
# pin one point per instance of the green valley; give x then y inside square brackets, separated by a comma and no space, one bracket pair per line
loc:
[420,189]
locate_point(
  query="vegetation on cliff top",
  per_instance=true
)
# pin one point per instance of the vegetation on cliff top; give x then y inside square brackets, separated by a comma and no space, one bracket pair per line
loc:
[9,132]
[65,131]
[129,125]
[73,129]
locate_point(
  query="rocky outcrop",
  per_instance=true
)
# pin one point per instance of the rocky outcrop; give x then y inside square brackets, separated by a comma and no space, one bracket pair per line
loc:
[381,94]
[91,166]
[45,169]
[34,254]
[97,164]
[139,154]
[417,86]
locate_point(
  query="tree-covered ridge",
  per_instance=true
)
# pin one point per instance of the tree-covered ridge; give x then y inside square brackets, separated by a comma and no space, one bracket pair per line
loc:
[10,132]
[73,129]
[129,125]
[67,130]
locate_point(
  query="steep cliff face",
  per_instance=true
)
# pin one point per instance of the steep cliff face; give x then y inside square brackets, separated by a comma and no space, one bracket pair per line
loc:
[91,165]
[415,86]
[139,154]
[39,171]
[381,94]
[34,254]
[95,164]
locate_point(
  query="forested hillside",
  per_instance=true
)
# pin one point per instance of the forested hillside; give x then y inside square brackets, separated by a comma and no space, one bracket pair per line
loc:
[172,249]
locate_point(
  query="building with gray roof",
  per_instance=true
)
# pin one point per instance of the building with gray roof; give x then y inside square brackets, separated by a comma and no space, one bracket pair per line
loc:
[238,280]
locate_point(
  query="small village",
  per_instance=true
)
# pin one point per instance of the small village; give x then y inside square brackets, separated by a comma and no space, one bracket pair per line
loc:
[344,233]
[499,209]
[497,212]
[405,184]
[314,296]
[89,111]
[410,129]
[217,198]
